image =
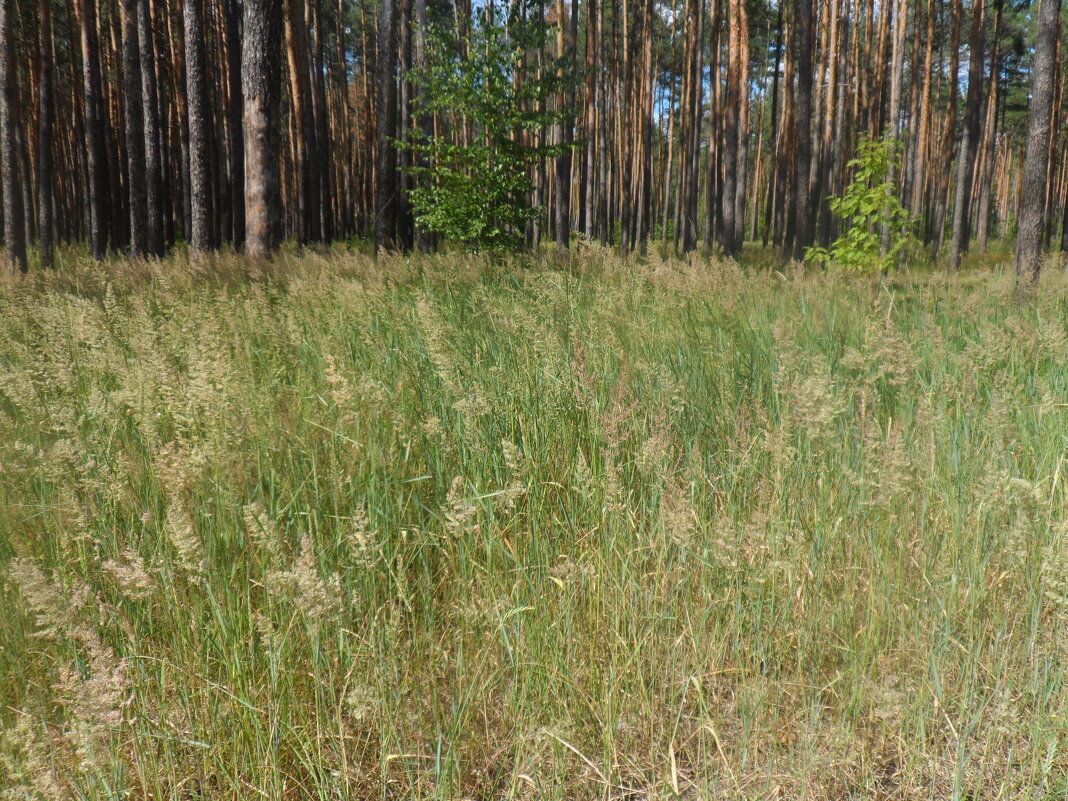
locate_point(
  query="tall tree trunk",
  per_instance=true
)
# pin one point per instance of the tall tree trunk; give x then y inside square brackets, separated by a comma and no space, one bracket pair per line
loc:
[990,134]
[801,237]
[563,136]
[260,78]
[970,143]
[135,129]
[304,122]
[923,135]
[196,88]
[235,113]
[45,183]
[424,238]
[1034,174]
[385,131]
[589,189]
[14,232]
[773,177]
[154,225]
[95,133]
[731,127]
[900,24]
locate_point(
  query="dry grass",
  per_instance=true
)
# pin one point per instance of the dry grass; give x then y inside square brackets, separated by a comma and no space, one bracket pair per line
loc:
[441,529]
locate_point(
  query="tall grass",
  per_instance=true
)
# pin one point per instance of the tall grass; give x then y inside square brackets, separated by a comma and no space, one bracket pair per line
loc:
[443,529]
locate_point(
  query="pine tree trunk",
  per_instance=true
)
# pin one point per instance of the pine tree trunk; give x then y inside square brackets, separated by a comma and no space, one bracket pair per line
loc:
[235,113]
[260,78]
[801,237]
[14,231]
[154,227]
[1034,173]
[970,143]
[989,146]
[563,138]
[96,153]
[385,172]
[200,193]
[135,129]
[45,182]
[300,98]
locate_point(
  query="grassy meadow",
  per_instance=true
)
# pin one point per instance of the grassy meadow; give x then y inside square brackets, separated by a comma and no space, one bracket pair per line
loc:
[446,529]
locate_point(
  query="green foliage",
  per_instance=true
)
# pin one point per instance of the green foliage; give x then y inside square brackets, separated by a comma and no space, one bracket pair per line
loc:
[869,205]
[474,174]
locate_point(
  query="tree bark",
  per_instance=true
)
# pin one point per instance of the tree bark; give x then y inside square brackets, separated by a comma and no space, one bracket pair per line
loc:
[200,194]
[95,134]
[563,137]
[135,129]
[989,147]
[304,123]
[1034,174]
[14,232]
[45,89]
[385,130]
[260,78]
[235,111]
[802,229]
[154,226]
[970,143]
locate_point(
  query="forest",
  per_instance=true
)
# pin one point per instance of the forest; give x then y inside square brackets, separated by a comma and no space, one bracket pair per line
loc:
[134,126]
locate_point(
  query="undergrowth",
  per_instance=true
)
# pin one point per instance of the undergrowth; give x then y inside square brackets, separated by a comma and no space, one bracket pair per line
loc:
[442,529]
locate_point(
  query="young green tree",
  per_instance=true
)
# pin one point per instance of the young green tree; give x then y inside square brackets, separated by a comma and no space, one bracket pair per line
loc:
[474,178]
[870,210]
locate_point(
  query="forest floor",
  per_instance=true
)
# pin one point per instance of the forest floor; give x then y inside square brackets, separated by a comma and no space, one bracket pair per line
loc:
[441,529]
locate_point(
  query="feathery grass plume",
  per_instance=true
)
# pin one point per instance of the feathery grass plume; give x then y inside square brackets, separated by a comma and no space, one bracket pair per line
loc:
[132,575]
[885,354]
[262,530]
[816,404]
[304,586]
[1029,526]
[1054,575]
[183,536]
[56,608]
[28,760]
[438,351]
[471,403]
[515,462]
[178,467]
[461,514]
[360,702]
[362,540]
[678,518]
[341,389]
[96,701]
[652,456]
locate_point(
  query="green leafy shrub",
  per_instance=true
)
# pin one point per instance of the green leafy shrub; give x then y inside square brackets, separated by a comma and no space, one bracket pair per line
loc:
[474,172]
[869,204]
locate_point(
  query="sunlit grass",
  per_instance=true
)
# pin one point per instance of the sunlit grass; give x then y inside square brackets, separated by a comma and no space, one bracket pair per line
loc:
[440,529]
